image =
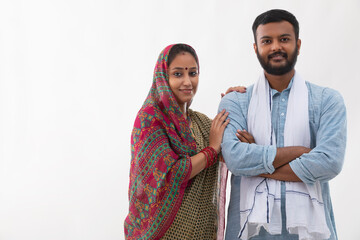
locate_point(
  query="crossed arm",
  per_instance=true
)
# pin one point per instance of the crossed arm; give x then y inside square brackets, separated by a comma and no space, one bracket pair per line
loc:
[322,163]
[284,172]
[283,156]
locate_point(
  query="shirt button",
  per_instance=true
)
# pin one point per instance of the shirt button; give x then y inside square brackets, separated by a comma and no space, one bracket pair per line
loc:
[282,114]
[283,99]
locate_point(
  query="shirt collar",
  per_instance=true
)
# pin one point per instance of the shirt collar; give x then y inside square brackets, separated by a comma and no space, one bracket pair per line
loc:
[274,91]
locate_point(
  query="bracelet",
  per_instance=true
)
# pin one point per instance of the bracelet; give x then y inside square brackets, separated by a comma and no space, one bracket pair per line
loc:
[210,156]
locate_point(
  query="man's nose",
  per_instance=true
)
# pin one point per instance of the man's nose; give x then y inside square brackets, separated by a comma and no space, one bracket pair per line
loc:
[275,46]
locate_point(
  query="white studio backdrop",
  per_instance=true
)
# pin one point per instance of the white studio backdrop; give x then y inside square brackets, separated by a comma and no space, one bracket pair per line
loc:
[73,75]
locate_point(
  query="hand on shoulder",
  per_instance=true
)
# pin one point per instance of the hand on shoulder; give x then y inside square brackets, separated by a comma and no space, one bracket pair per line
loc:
[240,89]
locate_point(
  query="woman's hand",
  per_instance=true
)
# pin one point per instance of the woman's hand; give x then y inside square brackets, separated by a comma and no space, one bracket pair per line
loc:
[244,136]
[217,130]
[240,89]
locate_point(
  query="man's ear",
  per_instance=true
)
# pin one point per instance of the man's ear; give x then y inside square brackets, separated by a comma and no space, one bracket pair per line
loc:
[255,48]
[298,43]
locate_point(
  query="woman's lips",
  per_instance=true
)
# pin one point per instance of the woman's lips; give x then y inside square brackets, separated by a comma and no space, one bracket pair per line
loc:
[188,91]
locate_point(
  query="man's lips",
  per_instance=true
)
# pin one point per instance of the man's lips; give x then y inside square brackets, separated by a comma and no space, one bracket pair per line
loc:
[278,56]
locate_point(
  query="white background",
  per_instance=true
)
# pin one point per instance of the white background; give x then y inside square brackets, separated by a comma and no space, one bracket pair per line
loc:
[74,73]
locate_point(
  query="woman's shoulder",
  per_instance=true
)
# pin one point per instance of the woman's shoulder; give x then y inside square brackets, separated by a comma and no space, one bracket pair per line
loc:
[198,115]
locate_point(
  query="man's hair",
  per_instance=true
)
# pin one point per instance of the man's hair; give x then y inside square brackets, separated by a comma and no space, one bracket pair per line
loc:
[276,15]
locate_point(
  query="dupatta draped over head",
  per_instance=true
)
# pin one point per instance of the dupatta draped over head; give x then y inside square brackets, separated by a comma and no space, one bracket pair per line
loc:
[161,146]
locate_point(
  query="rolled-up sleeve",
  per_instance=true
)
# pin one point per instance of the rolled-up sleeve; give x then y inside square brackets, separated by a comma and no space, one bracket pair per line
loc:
[326,159]
[243,159]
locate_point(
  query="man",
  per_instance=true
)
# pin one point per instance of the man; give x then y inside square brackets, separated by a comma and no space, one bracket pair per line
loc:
[279,182]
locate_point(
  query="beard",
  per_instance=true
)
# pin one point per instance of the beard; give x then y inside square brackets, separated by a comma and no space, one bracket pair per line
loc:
[280,70]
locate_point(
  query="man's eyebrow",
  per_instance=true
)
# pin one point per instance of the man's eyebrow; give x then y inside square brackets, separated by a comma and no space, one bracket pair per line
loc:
[265,37]
[282,35]
[285,35]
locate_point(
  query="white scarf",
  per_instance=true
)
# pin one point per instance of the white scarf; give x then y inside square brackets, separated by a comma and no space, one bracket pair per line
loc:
[260,198]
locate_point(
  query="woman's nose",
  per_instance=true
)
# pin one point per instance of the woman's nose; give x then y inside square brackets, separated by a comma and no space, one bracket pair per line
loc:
[187,80]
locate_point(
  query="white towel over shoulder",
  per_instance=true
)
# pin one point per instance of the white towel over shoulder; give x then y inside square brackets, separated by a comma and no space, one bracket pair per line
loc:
[260,198]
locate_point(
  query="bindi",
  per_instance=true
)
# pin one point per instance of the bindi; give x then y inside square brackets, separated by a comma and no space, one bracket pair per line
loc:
[186,68]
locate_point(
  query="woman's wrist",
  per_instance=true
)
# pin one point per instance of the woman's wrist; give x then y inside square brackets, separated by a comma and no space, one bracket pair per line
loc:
[210,156]
[217,149]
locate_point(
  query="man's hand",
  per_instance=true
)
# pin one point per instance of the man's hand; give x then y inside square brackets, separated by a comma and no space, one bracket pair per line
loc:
[244,136]
[283,173]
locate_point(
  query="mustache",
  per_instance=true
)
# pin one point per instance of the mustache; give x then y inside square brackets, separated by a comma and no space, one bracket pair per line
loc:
[283,54]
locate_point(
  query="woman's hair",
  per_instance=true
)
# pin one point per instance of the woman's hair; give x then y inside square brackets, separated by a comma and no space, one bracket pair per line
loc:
[180,48]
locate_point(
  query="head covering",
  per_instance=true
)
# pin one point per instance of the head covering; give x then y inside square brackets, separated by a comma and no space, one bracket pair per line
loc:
[161,146]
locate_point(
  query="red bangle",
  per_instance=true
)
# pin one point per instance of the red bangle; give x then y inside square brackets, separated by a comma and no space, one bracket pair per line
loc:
[214,154]
[206,157]
[210,155]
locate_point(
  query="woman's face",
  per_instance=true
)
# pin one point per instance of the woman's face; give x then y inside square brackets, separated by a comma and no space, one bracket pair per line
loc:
[183,78]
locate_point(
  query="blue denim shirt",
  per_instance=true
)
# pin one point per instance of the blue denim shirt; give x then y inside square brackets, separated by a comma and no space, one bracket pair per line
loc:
[327,116]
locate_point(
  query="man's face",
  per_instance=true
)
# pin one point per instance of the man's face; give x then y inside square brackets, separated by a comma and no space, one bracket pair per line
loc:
[276,47]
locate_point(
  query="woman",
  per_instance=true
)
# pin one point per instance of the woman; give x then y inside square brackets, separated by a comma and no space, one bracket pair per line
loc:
[174,173]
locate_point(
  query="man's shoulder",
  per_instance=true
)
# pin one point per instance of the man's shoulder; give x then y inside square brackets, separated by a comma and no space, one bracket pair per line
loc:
[239,96]
[318,88]
[321,93]
[236,101]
